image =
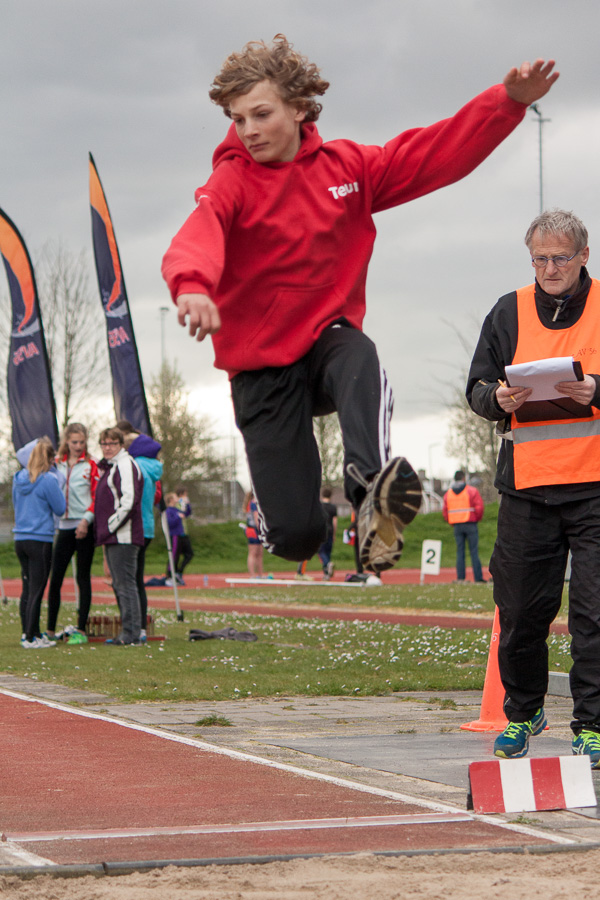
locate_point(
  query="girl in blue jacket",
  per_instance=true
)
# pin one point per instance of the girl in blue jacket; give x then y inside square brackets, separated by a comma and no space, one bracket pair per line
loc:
[37,499]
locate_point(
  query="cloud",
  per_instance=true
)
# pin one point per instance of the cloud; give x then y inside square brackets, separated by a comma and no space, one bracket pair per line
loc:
[128,81]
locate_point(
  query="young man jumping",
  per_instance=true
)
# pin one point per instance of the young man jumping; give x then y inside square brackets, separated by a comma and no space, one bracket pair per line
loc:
[273,263]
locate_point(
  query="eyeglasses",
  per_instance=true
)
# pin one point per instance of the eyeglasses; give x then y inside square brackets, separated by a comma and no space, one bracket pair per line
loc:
[110,444]
[540,262]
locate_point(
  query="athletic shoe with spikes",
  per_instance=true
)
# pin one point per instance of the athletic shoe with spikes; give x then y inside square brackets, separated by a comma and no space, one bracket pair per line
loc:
[391,502]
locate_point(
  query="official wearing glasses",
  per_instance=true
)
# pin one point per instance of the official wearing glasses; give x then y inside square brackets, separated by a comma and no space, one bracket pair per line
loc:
[549,477]
[119,528]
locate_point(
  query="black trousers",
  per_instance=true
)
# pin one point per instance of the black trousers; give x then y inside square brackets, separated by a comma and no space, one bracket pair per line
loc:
[528,567]
[139,577]
[274,409]
[35,558]
[65,545]
[184,553]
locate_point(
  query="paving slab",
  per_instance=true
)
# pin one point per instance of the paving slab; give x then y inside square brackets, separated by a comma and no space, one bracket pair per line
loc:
[444,759]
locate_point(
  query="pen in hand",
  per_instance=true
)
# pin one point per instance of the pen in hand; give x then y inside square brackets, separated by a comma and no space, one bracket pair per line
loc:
[504,384]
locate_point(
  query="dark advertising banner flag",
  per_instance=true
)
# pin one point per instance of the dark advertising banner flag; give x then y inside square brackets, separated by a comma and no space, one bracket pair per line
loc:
[128,387]
[30,396]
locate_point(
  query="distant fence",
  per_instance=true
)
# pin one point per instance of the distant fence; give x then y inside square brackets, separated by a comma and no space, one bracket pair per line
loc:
[215,501]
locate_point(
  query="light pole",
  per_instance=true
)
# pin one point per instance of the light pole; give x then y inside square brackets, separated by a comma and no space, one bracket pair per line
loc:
[535,108]
[429,454]
[163,311]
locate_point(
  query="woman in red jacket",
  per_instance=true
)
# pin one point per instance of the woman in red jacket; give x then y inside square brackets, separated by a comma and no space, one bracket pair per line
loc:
[75,536]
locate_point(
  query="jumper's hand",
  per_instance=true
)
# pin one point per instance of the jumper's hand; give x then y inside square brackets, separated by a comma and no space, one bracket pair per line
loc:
[530,82]
[82,529]
[203,314]
[580,391]
[511,398]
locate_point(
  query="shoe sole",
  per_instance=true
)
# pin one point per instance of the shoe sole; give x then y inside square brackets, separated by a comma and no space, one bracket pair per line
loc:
[397,496]
[397,493]
[382,546]
[38,646]
[539,728]
[504,755]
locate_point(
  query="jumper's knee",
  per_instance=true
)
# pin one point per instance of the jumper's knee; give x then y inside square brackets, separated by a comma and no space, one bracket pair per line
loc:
[297,544]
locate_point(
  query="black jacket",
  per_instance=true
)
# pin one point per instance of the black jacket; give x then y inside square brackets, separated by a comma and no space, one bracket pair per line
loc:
[495,350]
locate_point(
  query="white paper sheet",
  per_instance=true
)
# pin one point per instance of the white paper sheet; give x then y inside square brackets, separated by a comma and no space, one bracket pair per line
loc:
[542,375]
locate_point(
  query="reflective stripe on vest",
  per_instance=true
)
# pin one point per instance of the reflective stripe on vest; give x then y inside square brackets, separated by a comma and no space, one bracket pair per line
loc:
[566,451]
[458,512]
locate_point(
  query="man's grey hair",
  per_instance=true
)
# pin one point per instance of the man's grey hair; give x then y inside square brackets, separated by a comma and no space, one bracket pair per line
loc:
[558,222]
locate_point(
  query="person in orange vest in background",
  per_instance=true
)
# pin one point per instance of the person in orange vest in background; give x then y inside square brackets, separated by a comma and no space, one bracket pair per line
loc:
[548,474]
[463,509]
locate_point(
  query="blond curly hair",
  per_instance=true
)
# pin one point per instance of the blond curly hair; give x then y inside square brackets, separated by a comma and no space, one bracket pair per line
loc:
[297,79]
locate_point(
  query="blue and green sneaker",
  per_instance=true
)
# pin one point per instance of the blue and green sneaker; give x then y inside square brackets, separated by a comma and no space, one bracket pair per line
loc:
[587,743]
[514,740]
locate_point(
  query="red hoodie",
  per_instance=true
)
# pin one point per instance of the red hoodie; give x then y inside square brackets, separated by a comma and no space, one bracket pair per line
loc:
[283,248]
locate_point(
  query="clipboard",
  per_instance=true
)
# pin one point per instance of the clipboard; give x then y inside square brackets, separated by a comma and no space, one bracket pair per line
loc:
[553,410]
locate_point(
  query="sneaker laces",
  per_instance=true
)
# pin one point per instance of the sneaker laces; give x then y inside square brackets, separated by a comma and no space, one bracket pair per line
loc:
[590,740]
[353,472]
[513,729]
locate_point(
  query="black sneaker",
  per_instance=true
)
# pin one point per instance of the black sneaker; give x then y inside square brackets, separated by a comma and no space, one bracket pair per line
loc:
[392,501]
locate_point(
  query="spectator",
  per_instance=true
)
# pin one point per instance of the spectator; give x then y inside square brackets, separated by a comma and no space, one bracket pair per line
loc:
[326,547]
[463,509]
[75,534]
[119,528]
[255,549]
[175,523]
[37,499]
[145,450]
[185,553]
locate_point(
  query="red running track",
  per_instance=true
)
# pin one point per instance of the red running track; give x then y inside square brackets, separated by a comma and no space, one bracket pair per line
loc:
[85,789]
[162,598]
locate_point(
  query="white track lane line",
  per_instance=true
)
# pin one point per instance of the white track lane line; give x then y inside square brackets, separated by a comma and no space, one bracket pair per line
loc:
[237,828]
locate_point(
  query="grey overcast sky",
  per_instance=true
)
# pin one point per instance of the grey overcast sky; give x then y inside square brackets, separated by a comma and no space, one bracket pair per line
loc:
[128,80]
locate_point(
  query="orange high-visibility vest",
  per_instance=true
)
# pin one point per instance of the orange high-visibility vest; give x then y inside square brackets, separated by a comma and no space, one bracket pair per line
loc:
[566,451]
[458,506]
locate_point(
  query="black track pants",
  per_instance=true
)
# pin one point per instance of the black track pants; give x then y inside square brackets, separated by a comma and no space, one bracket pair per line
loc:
[35,558]
[274,409]
[528,566]
[65,545]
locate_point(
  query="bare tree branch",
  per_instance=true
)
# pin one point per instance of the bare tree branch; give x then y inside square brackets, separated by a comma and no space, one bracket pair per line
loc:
[186,439]
[74,329]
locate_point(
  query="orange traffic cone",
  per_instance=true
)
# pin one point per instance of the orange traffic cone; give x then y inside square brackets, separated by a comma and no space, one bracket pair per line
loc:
[491,716]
